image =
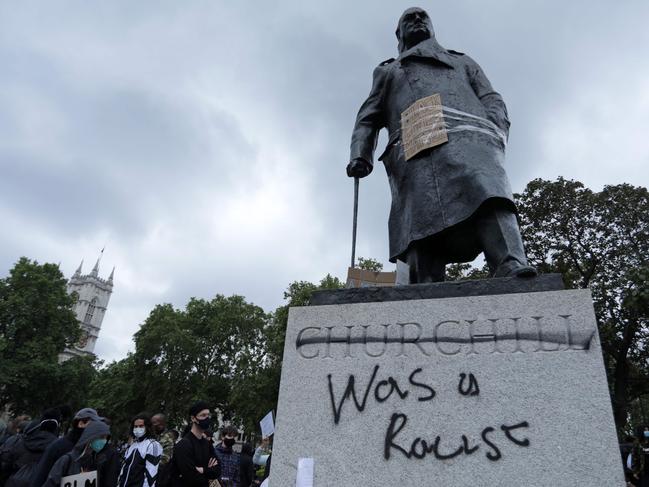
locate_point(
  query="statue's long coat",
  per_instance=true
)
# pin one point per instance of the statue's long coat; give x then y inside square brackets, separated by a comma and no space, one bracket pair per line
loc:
[441,187]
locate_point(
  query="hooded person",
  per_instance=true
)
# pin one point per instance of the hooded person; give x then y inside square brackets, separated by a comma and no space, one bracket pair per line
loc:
[63,445]
[15,430]
[26,453]
[91,452]
[451,198]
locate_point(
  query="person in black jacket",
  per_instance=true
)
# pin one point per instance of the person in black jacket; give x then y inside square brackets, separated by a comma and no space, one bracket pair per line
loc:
[15,435]
[63,445]
[92,452]
[27,452]
[194,464]
[246,466]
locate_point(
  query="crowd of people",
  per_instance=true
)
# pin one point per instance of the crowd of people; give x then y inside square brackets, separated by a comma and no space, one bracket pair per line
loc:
[37,453]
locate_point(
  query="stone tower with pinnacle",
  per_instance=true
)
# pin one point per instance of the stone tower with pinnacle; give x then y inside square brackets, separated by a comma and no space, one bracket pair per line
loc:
[93,294]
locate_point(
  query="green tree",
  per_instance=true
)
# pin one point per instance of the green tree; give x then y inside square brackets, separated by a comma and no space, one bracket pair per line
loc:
[116,392]
[74,381]
[37,322]
[600,241]
[369,264]
[196,353]
[466,271]
[267,381]
[298,294]
[255,393]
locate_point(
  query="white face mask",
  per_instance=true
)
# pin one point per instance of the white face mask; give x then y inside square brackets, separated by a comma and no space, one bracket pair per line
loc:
[139,432]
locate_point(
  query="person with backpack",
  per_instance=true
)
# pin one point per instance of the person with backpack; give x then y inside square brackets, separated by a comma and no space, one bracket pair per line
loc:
[63,445]
[140,467]
[26,453]
[14,436]
[92,452]
[194,463]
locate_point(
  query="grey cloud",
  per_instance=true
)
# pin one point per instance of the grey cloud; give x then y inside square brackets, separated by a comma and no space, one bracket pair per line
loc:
[158,118]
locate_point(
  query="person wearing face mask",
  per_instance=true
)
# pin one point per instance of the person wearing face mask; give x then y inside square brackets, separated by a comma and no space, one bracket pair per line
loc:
[229,459]
[63,445]
[140,467]
[193,462]
[91,453]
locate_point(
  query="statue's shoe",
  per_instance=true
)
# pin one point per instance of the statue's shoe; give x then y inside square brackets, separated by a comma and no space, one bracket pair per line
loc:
[515,269]
[523,271]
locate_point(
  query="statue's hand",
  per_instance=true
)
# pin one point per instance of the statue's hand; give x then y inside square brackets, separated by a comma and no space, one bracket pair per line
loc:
[358,168]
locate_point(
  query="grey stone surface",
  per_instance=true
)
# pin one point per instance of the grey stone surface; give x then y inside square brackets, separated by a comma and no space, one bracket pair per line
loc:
[520,395]
[452,289]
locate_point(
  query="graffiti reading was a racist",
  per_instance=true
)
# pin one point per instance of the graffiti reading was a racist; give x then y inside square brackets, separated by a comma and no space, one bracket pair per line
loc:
[379,389]
[419,448]
[470,389]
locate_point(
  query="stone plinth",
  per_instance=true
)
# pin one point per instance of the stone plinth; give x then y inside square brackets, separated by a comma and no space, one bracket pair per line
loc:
[453,289]
[483,390]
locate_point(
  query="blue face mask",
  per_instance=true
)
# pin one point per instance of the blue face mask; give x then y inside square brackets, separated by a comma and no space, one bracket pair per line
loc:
[646,434]
[98,444]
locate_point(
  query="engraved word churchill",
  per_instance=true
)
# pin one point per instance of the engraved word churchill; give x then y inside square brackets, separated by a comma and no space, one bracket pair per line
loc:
[445,337]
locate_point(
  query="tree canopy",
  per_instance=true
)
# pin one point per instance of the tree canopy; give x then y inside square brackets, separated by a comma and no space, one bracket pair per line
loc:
[196,353]
[37,322]
[369,264]
[598,240]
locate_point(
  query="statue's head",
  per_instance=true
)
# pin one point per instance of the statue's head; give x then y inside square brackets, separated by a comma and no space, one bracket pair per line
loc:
[414,26]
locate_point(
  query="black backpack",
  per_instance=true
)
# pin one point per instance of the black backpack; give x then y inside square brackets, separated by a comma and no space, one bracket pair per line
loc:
[23,477]
[167,473]
[27,463]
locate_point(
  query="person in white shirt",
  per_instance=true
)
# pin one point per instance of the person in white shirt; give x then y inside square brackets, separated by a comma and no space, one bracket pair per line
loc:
[140,468]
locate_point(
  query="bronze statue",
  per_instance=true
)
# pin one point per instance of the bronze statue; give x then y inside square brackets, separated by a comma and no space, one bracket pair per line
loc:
[451,200]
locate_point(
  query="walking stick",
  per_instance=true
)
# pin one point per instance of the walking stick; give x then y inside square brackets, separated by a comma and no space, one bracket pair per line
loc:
[355,222]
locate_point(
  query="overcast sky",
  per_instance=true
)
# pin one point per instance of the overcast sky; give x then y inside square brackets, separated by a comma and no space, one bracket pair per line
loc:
[204,142]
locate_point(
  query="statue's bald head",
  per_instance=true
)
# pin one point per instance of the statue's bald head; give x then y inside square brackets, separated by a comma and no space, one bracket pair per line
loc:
[414,26]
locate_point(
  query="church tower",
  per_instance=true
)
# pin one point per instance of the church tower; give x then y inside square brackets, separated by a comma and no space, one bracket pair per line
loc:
[93,295]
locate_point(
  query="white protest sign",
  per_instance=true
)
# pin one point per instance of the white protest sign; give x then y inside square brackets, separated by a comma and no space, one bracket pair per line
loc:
[267,425]
[85,479]
[304,473]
